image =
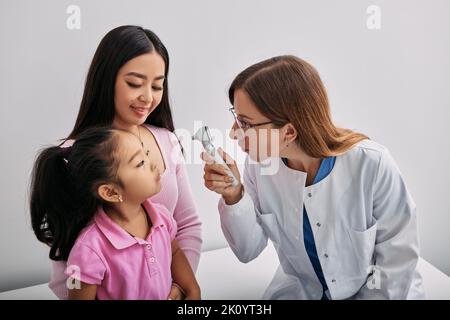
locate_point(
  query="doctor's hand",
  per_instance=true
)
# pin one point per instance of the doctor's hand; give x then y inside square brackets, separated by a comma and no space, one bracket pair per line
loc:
[217,180]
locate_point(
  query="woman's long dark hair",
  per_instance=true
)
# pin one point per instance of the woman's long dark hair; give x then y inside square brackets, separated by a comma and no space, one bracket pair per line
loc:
[64,185]
[117,47]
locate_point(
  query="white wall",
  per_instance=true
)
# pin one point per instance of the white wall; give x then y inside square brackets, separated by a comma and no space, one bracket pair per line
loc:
[391,84]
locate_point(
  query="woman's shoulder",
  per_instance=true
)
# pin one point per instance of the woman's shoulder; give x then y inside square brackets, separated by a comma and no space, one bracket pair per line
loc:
[366,150]
[168,141]
[163,135]
[365,156]
[67,143]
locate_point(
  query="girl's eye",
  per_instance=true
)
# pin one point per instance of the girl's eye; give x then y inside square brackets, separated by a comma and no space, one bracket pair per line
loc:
[157,88]
[140,164]
[133,85]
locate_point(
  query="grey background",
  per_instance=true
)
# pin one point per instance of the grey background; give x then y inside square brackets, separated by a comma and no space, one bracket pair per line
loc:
[391,84]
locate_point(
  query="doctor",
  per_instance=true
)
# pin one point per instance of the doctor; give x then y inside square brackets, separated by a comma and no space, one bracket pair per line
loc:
[336,208]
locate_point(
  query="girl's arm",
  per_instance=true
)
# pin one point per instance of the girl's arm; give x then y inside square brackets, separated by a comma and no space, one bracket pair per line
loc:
[86,292]
[182,273]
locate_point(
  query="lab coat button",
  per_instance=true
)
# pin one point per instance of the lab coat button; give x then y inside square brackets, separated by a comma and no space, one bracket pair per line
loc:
[310,195]
[334,280]
[318,224]
[325,255]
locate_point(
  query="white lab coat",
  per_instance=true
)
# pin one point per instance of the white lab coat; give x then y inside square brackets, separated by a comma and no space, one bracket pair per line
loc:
[362,217]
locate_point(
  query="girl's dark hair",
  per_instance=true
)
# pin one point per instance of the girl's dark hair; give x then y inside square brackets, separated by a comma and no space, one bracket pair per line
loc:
[64,185]
[116,48]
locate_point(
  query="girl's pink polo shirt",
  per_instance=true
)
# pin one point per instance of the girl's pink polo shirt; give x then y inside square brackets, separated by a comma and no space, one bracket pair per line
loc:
[123,266]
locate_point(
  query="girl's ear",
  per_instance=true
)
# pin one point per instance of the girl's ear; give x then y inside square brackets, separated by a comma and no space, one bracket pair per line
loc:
[109,192]
[290,133]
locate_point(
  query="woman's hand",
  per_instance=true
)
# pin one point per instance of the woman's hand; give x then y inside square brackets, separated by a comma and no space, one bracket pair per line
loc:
[175,293]
[194,294]
[217,180]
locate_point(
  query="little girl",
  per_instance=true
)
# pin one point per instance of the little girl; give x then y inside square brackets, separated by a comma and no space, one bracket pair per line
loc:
[90,204]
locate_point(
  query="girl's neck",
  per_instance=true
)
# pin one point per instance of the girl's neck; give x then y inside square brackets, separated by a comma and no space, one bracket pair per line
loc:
[132,218]
[125,212]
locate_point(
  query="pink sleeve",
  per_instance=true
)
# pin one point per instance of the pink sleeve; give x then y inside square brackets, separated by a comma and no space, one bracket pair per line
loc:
[185,213]
[85,265]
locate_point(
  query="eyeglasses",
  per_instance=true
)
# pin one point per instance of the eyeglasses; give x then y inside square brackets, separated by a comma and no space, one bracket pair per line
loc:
[242,124]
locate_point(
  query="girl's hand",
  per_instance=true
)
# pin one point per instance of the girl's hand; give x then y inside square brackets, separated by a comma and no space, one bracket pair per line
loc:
[175,293]
[217,180]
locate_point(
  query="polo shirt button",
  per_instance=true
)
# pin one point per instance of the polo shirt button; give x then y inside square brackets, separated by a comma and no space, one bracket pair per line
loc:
[334,280]
[310,195]
[325,255]
[149,246]
[152,259]
[318,224]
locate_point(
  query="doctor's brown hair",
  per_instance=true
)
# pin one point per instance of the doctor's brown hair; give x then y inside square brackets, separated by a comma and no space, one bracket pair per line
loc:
[287,89]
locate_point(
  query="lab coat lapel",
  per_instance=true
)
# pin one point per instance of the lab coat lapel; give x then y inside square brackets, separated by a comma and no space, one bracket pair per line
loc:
[292,217]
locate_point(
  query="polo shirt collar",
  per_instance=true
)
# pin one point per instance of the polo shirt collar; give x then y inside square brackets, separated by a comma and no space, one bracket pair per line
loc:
[120,238]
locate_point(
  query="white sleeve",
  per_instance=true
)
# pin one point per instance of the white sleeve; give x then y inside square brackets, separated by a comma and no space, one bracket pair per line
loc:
[239,222]
[397,244]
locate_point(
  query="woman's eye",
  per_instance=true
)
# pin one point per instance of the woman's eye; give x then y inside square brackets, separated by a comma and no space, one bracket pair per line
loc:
[133,85]
[157,88]
[245,124]
[140,164]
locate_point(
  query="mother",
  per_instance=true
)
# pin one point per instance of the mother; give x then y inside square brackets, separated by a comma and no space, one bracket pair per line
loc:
[127,88]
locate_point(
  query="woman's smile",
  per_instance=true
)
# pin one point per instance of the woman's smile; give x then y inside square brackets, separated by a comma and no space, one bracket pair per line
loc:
[141,111]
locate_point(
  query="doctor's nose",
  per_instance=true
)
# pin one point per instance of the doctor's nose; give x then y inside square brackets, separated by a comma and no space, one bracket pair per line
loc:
[234,134]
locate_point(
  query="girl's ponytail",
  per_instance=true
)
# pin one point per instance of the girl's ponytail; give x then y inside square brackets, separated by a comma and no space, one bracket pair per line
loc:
[63,195]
